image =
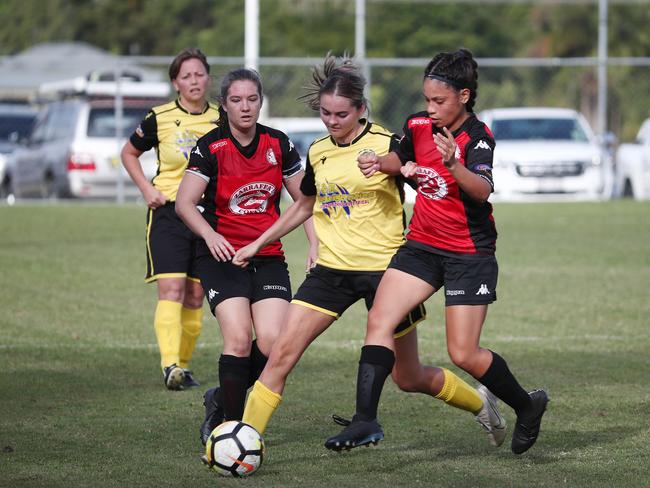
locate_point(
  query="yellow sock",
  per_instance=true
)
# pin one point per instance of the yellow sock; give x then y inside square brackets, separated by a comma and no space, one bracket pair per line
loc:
[459,394]
[191,322]
[167,322]
[260,405]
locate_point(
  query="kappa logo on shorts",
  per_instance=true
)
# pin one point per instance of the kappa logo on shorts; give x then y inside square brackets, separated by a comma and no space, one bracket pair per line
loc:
[212,293]
[453,293]
[483,290]
[274,287]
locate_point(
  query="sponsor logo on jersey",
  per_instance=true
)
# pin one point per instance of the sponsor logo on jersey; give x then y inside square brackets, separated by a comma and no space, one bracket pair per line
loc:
[139,131]
[212,293]
[251,198]
[177,122]
[216,145]
[430,184]
[333,197]
[419,121]
[185,142]
[197,151]
[270,157]
[483,290]
[482,145]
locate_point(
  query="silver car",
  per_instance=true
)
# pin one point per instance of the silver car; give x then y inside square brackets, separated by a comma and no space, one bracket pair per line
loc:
[73,151]
[16,122]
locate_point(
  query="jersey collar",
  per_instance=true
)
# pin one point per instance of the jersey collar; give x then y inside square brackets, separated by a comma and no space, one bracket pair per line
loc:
[180,107]
[364,131]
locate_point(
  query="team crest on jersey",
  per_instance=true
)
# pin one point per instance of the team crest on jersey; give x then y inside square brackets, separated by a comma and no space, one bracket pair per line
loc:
[430,184]
[185,142]
[270,157]
[251,198]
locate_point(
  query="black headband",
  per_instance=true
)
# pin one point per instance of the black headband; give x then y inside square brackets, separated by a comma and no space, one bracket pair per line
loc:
[453,83]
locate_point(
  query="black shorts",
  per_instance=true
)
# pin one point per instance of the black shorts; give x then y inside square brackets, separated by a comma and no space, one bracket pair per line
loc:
[468,279]
[170,246]
[333,291]
[264,277]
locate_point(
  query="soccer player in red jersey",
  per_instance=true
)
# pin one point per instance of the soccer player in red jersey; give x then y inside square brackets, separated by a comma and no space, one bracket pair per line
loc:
[451,242]
[229,195]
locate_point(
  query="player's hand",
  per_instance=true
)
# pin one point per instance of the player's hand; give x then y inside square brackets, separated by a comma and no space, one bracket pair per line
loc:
[219,247]
[244,254]
[368,162]
[447,147]
[153,197]
[410,170]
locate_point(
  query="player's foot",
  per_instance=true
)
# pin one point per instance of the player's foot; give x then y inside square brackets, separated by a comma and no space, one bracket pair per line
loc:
[357,433]
[214,414]
[173,377]
[528,423]
[490,418]
[188,379]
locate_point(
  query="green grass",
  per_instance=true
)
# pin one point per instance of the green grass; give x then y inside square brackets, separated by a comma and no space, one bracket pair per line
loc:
[82,402]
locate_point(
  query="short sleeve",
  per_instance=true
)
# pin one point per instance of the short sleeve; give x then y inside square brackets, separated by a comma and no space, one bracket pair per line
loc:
[145,135]
[404,149]
[291,161]
[479,156]
[308,183]
[202,163]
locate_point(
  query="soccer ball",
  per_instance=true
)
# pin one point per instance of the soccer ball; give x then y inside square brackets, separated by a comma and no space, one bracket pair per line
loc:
[234,449]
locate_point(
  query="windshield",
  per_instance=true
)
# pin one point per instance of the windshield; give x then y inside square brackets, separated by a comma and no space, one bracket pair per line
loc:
[10,123]
[101,121]
[552,129]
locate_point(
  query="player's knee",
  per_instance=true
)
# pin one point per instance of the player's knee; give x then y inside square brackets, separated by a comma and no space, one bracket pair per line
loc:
[237,344]
[464,359]
[377,322]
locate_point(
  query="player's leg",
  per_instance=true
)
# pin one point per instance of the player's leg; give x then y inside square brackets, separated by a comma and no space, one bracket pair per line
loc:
[191,322]
[464,324]
[235,321]
[302,326]
[167,324]
[397,295]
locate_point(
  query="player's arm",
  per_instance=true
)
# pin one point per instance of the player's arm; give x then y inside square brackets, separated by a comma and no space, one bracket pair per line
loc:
[143,139]
[474,185]
[292,185]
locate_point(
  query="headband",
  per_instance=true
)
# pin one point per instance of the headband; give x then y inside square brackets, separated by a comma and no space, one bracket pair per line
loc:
[453,83]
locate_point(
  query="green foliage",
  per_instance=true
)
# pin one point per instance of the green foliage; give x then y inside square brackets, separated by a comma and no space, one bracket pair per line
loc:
[83,402]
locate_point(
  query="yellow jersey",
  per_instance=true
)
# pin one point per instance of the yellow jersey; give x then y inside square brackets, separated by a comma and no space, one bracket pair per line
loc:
[359,221]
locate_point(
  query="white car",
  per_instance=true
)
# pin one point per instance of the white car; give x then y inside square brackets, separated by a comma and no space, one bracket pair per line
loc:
[547,153]
[633,165]
[73,150]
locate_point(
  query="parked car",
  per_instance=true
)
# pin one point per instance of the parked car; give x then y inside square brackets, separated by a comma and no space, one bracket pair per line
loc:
[547,152]
[73,150]
[633,165]
[16,122]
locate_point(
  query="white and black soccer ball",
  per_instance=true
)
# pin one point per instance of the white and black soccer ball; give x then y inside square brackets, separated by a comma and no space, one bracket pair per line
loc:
[234,449]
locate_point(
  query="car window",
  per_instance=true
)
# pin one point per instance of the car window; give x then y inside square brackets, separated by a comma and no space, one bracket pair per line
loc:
[538,129]
[21,124]
[302,140]
[62,121]
[101,121]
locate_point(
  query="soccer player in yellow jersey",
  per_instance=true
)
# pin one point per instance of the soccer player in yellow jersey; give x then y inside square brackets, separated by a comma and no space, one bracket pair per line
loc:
[173,129]
[360,224]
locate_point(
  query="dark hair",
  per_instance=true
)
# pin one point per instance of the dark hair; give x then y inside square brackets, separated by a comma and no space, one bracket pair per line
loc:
[339,76]
[236,75]
[457,69]
[184,55]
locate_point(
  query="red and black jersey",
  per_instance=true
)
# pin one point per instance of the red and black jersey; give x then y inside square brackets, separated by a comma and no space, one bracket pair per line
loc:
[242,198]
[445,217]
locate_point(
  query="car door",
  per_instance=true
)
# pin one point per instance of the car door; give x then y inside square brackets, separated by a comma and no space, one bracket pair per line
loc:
[27,169]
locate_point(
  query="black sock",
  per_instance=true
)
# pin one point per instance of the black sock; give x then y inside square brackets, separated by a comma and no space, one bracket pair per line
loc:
[258,361]
[375,365]
[233,376]
[504,385]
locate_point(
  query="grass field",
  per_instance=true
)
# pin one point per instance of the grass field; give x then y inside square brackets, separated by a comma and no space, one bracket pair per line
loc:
[82,402]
